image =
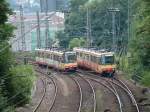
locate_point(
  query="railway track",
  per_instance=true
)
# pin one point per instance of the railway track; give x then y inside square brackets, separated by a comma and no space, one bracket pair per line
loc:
[118,88]
[121,90]
[110,89]
[37,108]
[59,104]
[44,85]
[126,88]
[121,85]
[87,93]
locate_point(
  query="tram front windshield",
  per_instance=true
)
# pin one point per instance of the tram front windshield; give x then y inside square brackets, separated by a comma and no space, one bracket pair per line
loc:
[109,59]
[70,58]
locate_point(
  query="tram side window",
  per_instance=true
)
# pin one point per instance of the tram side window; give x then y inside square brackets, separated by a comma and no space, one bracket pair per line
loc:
[61,59]
[97,60]
[37,54]
[81,55]
[40,54]
[102,60]
[48,56]
[92,58]
[78,55]
[52,57]
[89,57]
[55,57]
[58,58]
[86,57]
[43,55]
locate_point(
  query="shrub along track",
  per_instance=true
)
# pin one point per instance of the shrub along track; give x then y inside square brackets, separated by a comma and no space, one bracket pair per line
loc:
[126,100]
[37,97]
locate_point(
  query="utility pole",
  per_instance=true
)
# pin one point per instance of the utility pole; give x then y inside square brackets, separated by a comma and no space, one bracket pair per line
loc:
[38,31]
[89,39]
[47,26]
[128,39]
[41,5]
[113,12]
[22,28]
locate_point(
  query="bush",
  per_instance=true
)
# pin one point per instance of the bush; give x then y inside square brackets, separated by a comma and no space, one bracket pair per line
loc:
[146,78]
[76,42]
[20,84]
[4,107]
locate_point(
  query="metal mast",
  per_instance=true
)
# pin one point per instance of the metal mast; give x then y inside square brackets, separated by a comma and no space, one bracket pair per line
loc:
[22,28]
[113,12]
[89,39]
[47,26]
[41,6]
[128,39]
[38,31]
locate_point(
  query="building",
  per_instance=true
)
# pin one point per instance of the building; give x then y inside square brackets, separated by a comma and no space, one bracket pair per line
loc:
[54,5]
[56,23]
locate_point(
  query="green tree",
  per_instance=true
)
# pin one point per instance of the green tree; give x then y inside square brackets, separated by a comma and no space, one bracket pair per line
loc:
[77,42]
[20,84]
[6,31]
[101,21]
[63,39]
[140,43]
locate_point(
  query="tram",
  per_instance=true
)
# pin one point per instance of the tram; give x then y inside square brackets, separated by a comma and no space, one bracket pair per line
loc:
[58,59]
[100,61]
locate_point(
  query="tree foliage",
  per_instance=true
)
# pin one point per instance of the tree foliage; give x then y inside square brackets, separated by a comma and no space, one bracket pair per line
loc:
[10,86]
[77,42]
[140,43]
[101,21]
[63,39]
[6,31]
[21,83]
